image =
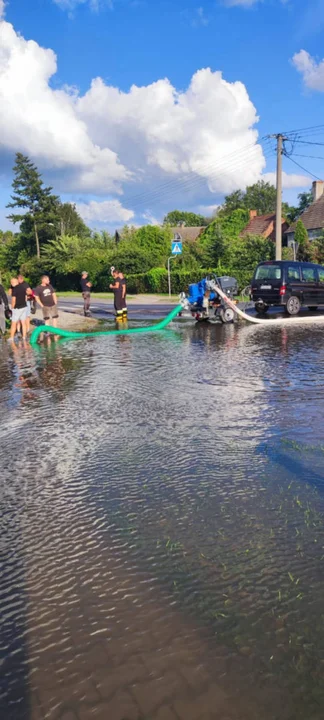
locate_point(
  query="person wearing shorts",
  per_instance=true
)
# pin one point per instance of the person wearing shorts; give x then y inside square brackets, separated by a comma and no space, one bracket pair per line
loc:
[29,292]
[46,298]
[19,308]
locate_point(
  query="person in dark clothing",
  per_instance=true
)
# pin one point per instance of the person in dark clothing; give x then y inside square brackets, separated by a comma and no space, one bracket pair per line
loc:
[122,281]
[29,293]
[19,308]
[117,288]
[4,309]
[47,299]
[86,286]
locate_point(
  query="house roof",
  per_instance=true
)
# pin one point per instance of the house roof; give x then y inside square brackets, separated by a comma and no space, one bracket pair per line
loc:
[261,225]
[188,234]
[312,217]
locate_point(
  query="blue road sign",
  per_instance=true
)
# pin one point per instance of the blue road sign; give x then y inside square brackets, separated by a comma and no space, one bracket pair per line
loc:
[176,248]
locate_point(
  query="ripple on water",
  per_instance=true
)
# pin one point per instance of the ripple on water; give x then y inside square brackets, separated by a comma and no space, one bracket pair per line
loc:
[162,526]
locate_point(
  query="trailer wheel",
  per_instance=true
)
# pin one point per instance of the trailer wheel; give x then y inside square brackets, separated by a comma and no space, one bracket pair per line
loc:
[226,315]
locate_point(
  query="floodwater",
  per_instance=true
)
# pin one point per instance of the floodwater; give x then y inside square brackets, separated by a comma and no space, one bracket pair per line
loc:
[162,539]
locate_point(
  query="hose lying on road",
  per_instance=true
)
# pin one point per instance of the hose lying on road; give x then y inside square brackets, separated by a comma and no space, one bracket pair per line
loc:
[76,335]
[269,321]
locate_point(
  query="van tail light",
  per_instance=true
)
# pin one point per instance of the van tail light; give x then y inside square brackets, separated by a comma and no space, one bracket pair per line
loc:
[282,290]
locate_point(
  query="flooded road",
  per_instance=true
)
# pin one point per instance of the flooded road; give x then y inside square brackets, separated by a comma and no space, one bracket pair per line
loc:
[162,539]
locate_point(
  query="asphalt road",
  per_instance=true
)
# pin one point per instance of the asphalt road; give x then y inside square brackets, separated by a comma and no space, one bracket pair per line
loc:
[104,309]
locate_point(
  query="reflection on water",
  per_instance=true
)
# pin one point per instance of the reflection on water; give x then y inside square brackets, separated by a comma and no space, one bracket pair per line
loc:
[162,507]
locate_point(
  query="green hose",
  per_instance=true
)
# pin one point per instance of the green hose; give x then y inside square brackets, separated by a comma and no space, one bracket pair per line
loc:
[75,335]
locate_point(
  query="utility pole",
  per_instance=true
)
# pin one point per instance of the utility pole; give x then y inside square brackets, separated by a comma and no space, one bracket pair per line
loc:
[280,138]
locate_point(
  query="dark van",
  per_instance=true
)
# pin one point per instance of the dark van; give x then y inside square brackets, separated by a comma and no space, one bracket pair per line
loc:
[287,283]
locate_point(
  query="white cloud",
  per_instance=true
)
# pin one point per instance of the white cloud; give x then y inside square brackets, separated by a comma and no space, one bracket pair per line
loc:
[288,180]
[108,211]
[188,143]
[43,122]
[2,9]
[71,5]
[188,134]
[311,70]
[207,210]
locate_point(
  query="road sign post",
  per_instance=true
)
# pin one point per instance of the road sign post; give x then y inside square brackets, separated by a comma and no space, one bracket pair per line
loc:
[176,249]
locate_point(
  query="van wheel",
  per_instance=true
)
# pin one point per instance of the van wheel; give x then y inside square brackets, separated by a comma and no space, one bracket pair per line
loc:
[261,308]
[313,307]
[293,305]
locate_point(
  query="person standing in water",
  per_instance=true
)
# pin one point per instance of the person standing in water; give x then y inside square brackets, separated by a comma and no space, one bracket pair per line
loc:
[29,294]
[86,286]
[4,309]
[47,299]
[122,281]
[19,308]
[117,288]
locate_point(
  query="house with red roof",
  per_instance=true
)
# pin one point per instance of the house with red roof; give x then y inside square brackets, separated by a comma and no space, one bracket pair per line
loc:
[264,225]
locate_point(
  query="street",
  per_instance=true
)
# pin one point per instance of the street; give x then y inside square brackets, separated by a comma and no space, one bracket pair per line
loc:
[104,309]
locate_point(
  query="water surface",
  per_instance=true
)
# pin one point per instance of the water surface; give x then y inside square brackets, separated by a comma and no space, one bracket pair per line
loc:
[162,509]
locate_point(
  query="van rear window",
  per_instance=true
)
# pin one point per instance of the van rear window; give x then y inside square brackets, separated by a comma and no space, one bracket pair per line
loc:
[268,272]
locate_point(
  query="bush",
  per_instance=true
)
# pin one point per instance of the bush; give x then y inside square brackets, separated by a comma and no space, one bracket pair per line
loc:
[156,281]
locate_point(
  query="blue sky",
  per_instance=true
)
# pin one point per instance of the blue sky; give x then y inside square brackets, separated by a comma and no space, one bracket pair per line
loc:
[177,143]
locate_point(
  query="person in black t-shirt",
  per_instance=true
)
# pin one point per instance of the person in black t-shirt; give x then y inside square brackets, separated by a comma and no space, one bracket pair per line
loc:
[29,292]
[19,308]
[86,286]
[47,299]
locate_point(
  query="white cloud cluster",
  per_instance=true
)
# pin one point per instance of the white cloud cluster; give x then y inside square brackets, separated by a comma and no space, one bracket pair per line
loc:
[108,211]
[108,142]
[288,181]
[43,122]
[311,70]
[198,132]
[2,9]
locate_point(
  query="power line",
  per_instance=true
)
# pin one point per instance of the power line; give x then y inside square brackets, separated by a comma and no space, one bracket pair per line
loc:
[308,142]
[189,183]
[314,157]
[190,180]
[301,167]
[299,130]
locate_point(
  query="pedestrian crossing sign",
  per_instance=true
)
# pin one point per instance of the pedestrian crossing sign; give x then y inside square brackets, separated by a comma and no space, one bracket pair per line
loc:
[176,247]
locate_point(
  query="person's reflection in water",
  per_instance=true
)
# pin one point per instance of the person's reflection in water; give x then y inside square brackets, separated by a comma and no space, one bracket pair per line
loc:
[25,371]
[124,347]
[52,372]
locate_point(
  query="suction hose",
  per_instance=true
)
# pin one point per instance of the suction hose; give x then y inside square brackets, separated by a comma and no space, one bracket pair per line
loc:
[76,335]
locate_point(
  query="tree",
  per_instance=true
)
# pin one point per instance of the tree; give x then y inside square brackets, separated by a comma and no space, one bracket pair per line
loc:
[232,202]
[261,196]
[317,248]
[305,200]
[304,252]
[70,221]
[30,195]
[189,218]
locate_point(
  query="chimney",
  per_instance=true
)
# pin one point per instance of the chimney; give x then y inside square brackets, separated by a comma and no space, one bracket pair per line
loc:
[181,223]
[317,189]
[253,214]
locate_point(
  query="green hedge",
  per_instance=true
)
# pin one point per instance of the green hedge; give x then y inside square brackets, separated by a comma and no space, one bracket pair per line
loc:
[156,281]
